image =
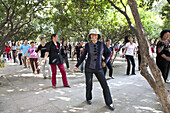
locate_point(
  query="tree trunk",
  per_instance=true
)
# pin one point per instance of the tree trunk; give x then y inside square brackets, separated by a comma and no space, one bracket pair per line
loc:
[155,80]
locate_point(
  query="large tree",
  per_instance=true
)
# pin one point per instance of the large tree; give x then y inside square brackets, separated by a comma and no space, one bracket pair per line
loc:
[155,79]
[15,14]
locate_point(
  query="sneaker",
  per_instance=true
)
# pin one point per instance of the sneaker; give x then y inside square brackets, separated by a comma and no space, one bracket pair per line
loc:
[67,86]
[111,107]
[167,81]
[89,102]
[45,77]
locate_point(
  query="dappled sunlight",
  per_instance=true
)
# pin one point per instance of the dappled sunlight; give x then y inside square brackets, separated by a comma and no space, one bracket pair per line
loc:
[60,92]
[141,108]
[63,98]
[41,85]
[121,83]
[10,90]
[80,85]
[27,87]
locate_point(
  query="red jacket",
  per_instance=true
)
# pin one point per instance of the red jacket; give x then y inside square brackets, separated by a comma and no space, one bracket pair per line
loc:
[7,49]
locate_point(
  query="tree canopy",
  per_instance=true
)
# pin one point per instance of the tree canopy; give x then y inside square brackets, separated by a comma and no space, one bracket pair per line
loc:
[72,19]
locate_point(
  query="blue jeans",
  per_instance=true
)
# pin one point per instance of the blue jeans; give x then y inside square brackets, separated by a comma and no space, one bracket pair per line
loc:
[82,64]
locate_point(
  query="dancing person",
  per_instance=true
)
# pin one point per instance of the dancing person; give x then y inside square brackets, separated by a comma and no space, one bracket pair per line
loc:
[129,52]
[78,48]
[33,57]
[123,48]
[55,58]
[163,54]
[24,47]
[139,58]
[95,50]
[8,51]
[14,48]
[64,53]
[109,64]
[70,49]
[81,52]
[19,53]
[42,49]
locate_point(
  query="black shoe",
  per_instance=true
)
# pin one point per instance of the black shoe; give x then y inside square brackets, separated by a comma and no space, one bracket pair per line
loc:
[112,77]
[68,86]
[89,102]
[111,107]
[133,74]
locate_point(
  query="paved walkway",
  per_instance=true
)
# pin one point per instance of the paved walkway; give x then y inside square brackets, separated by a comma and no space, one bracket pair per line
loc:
[24,92]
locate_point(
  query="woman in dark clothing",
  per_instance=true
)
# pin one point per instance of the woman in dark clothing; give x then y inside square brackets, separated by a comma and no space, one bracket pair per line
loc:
[95,50]
[64,53]
[55,59]
[109,64]
[139,58]
[14,48]
[163,54]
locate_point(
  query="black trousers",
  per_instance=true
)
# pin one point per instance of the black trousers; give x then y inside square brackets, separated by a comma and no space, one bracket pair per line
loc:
[109,65]
[164,66]
[65,58]
[19,57]
[9,55]
[70,53]
[102,80]
[14,55]
[139,61]
[130,59]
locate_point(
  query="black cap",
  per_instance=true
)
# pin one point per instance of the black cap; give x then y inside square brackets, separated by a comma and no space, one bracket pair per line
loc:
[108,40]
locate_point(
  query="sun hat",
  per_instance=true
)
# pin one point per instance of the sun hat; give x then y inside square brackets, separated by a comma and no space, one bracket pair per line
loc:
[94,31]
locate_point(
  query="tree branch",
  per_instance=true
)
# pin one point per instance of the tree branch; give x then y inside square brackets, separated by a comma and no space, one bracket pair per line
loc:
[123,5]
[7,12]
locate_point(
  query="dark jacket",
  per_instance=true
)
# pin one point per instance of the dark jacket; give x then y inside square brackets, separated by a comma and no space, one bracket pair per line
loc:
[162,48]
[54,53]
[95,53]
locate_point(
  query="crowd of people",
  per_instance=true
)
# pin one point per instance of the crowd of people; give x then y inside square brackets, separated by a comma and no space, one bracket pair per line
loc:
[97,55]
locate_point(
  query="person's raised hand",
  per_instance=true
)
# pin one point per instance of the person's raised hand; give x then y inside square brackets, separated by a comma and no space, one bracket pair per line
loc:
[22,57]
[43,61]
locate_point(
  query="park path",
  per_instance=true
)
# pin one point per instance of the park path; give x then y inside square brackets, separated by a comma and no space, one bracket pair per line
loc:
[24,92]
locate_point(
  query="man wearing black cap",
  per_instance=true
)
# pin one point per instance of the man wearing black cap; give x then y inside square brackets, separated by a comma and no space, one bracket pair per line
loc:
[109,64]
[163,54]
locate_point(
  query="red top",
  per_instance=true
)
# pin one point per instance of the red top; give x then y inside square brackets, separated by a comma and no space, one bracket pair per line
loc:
[152,49]
[57,46]
[7,49]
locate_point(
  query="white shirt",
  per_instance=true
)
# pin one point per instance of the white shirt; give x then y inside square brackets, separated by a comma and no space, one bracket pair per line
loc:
[130,48]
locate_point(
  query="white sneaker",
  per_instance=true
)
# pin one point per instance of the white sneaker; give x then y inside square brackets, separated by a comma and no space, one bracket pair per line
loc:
[167,81]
